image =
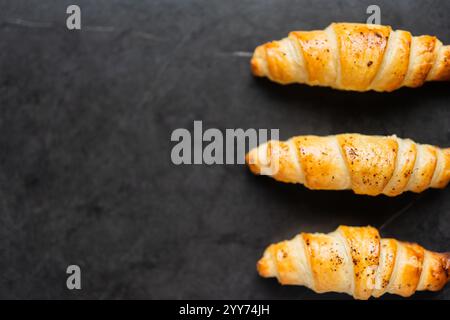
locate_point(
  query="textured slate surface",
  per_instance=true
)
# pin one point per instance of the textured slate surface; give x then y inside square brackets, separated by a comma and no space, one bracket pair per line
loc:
[86,118]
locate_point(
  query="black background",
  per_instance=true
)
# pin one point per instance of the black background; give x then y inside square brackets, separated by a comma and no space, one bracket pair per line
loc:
[85,171]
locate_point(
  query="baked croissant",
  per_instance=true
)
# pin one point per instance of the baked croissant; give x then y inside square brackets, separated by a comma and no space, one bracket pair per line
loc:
[353,56]
[370,165]
[354,260]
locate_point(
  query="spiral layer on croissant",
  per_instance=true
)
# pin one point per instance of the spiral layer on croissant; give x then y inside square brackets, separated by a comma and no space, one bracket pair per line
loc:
[352,56]
[354,260]
[370,165]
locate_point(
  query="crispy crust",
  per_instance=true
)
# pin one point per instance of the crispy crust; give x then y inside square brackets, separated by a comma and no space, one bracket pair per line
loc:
[317,54]
[441,68]
[388,256]
[436,271]
[364,249]
[424,169]
[370,165]
[352,56]
[406,158]
[444,178]
[361,51]
[354,260]
[327,260]
[408,269]
[371,161]
[321,163]
[393,71]
[422,58]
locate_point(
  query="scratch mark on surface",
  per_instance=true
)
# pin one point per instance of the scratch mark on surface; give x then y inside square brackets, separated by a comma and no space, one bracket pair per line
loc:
[399,213]
[240,54]
[147,36]
[28,23]
[99,28]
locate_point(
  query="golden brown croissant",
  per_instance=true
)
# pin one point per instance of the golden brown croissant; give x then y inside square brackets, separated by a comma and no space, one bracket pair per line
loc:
[366,164]
[354,260]
[353,56]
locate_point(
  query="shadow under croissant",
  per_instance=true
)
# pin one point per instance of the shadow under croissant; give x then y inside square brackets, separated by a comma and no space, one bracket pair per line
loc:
[310,208]
[271,288]
[349,102]
[298,92]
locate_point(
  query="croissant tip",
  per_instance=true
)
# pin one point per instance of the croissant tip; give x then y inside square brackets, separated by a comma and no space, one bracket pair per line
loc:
[257,61]
[447,264]
[247,158]
[264,268]
[256,68]
[250,160]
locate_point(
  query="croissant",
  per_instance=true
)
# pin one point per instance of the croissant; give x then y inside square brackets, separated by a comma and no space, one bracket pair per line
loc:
[354,260]
[370,165]
[353,56]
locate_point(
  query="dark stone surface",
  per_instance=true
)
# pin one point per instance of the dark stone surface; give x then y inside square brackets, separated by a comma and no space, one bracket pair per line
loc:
[85,170]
